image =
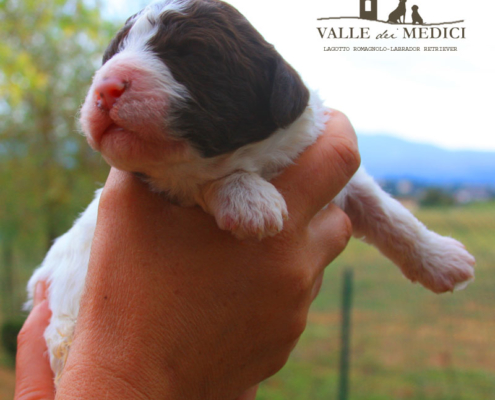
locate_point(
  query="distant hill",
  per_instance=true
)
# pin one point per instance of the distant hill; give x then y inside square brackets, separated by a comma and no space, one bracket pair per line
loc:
[390,158]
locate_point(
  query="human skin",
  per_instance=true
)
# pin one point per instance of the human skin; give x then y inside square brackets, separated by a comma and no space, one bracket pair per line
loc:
[34,377]
[175,308]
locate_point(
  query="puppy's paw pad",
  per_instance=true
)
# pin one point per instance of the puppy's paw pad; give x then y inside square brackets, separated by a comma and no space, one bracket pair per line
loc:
[447,265]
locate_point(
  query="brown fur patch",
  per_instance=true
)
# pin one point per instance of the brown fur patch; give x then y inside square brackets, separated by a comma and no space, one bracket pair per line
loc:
[241,89]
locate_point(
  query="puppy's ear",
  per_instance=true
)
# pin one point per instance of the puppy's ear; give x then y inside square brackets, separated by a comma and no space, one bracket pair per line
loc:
[289,96]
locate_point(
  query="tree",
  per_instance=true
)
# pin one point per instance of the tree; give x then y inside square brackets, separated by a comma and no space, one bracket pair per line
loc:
[49,51]
[434,197]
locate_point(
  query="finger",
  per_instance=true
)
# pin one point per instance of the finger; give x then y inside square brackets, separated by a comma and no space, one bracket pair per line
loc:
[39,293]
[34,377]
[249,394]
[330,232]
[317,287]
[322,171]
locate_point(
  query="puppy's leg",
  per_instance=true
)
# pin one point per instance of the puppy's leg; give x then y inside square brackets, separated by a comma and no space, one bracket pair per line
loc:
[245,204]
[439,263]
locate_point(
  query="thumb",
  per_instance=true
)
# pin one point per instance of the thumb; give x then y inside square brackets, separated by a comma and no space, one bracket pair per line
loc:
[34,377]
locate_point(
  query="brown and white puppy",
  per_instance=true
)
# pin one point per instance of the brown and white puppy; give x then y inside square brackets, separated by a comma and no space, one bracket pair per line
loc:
[193,100]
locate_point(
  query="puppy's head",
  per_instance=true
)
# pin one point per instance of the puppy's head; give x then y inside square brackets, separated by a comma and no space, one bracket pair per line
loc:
[187,78]
[415,8]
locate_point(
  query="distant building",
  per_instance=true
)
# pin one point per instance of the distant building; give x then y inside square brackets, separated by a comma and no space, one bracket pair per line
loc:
[404,187]
[368,9]
[469,194]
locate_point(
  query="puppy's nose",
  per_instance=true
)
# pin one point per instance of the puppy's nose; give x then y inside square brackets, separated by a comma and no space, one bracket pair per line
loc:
[108,90]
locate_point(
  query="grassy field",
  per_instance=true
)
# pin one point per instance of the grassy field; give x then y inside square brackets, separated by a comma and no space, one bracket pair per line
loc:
[407,343]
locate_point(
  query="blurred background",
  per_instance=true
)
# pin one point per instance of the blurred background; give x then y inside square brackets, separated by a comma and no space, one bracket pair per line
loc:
[424,133]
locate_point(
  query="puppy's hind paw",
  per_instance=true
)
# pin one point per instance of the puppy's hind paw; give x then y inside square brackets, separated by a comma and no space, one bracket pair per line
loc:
[446,264]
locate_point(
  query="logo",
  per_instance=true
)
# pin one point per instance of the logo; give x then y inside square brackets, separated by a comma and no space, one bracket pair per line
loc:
[394,19]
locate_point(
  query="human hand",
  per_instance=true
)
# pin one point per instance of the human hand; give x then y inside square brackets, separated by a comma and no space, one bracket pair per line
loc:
[34,377]
[176,308]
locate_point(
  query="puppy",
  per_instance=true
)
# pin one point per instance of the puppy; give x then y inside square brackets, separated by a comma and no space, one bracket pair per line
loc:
[192,99]
[400,11]
[416,18]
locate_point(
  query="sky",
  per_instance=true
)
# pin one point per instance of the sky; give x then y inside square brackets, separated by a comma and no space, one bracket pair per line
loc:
[442,98]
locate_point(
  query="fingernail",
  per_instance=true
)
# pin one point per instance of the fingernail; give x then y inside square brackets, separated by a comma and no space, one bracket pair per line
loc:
[39,293]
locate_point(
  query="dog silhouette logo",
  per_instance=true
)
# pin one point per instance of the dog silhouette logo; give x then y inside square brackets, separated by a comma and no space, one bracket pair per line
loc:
[400,12]
[416,18]
[368,10]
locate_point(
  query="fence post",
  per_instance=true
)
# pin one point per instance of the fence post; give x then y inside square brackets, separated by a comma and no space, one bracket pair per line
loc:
[345,335]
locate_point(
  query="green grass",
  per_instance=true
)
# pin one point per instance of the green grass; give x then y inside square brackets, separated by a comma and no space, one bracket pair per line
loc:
[407,343]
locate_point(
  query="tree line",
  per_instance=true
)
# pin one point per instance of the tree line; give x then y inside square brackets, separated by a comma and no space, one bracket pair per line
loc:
[49,51]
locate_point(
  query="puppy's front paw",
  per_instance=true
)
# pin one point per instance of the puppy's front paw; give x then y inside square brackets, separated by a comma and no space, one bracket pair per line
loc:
[246,205]
[251,214]
[446,264]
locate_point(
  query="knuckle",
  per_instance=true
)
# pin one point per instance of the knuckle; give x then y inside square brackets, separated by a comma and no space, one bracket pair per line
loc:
[286,250]
[299,281]
[348,152]
[347,144]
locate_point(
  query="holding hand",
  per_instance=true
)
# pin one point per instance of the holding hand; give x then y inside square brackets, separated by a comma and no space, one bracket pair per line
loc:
[175,308]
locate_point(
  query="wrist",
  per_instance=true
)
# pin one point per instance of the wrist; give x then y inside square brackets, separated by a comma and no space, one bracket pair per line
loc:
[84,382]
[112,353]
[93,371]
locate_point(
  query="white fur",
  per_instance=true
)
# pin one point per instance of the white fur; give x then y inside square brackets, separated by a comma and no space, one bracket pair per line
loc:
[145,24]
[439,263]
[152,80]
[64,269]
[246,205]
